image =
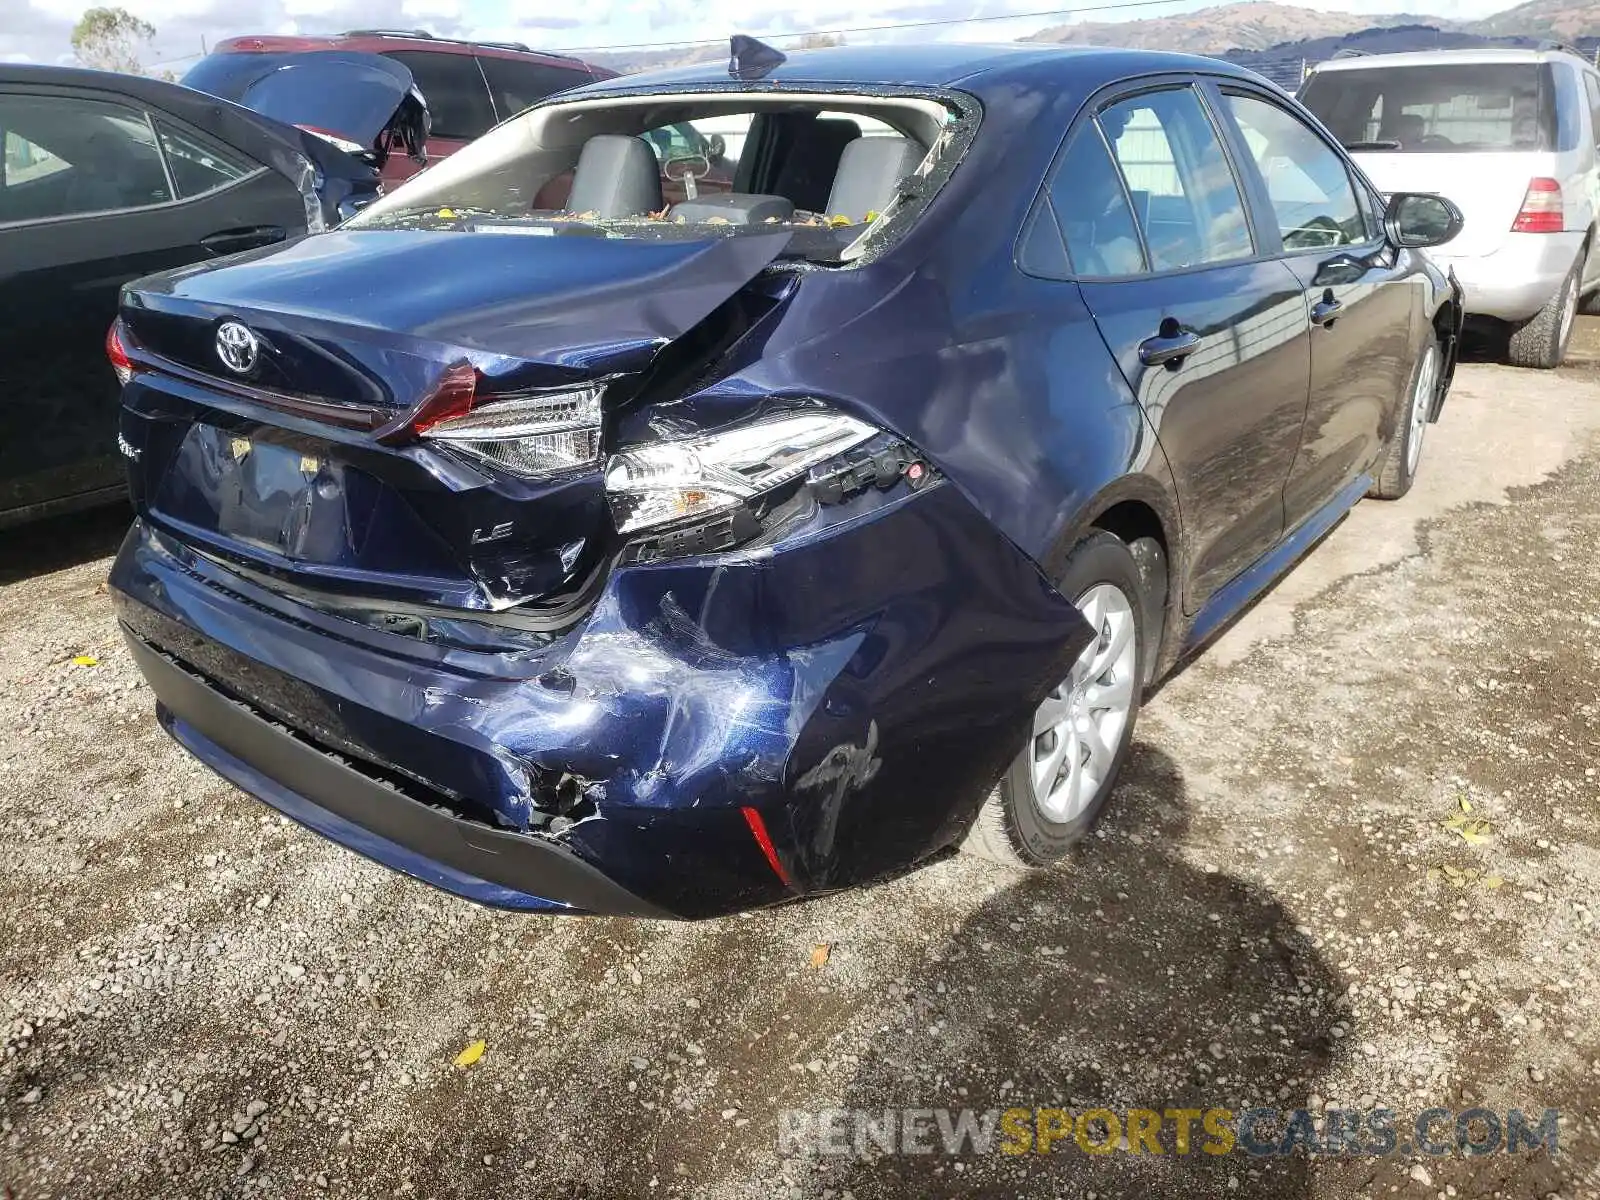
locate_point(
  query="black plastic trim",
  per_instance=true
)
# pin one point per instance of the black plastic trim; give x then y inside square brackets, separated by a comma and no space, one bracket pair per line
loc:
[518,861]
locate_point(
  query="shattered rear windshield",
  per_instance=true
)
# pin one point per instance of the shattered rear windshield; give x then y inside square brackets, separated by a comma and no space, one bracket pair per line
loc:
[843,172]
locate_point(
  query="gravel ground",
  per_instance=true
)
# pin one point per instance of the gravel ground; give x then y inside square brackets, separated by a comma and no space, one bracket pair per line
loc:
[200,999]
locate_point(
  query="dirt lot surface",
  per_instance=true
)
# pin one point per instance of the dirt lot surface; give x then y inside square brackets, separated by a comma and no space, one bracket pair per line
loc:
[200,999]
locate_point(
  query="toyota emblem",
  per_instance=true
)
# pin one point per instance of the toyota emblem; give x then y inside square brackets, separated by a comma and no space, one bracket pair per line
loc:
[237,347]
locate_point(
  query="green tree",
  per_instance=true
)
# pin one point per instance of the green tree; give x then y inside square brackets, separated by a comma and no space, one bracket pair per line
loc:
[111,39]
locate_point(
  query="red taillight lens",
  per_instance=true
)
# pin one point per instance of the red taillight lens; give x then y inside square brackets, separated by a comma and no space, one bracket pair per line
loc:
[454,397]
[1541,208]
[117,353]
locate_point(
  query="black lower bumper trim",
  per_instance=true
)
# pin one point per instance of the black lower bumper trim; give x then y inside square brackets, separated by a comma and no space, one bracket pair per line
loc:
[509,859]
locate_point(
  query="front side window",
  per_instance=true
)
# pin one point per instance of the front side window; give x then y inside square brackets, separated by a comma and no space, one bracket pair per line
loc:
[67,156]
[1306,181]
[1184,194]
[198,168]
[458,102]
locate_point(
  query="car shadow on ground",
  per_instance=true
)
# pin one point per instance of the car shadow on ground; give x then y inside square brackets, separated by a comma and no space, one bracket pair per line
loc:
[57,543]
[1133,978]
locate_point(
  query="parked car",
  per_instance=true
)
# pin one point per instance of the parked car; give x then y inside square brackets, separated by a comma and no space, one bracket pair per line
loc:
[1510,136]
[108,177]
[678,564]
[469,86]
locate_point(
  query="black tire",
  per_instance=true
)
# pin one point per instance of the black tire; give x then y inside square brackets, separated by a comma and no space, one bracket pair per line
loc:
[1396,471]
[1011,829]
[1541,342]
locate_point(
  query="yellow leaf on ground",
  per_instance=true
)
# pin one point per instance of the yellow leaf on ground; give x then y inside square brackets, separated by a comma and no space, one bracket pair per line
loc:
[1456,821]
[1492,881]
[1434,873]
[85,660]
[1466,805]
[472,1053]
[819,954]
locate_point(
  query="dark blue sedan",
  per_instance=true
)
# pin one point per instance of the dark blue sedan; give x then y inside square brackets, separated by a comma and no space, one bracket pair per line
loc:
[573,551]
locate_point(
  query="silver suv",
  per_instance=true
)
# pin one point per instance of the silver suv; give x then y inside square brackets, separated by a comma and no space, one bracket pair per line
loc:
[1509,135]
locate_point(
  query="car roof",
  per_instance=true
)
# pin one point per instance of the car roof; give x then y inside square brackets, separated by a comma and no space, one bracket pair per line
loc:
[1433,58]
[415,40]
[140,87]
[977,68]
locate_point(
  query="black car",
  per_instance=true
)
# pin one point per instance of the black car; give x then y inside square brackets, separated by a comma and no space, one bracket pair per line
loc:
[108,177]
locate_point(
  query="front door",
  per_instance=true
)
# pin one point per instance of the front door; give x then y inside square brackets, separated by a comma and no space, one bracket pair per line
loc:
[1362,301]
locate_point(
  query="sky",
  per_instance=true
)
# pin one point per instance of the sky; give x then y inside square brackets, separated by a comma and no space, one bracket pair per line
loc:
[39,30]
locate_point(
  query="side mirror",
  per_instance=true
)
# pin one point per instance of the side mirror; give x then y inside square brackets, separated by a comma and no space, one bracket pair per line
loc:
[716,146]
[1417,220]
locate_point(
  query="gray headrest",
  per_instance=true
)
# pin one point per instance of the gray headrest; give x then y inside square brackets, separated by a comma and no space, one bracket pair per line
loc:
[868,170]
[736,208]
[616,176]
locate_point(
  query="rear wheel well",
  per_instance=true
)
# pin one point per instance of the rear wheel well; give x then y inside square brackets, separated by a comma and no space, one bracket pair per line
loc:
[1139,527]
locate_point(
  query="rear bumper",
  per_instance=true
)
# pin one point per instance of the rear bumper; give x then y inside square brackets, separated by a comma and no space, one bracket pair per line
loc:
[1519,278]
[857,688]
[353,808]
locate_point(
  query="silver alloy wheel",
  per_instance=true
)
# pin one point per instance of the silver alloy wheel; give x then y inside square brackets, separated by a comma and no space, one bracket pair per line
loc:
[1569,310]
[1421,402]
[1078,727]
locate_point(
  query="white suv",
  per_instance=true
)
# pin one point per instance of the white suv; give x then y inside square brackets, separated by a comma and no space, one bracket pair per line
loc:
[1509,135]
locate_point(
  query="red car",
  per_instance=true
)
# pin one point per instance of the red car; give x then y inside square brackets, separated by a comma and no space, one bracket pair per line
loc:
[469,86]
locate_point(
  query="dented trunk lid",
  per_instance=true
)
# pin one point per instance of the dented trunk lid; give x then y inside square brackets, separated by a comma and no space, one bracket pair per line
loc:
[285,468]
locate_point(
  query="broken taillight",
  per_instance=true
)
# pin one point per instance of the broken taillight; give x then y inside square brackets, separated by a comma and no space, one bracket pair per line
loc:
[1541,208]
[528,433]
[117,353]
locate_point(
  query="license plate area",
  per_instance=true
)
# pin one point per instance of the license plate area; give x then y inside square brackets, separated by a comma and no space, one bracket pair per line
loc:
[270,489]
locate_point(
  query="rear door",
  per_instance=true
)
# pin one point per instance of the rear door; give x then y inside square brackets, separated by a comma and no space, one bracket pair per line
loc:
[1365,299]
[96,192]
[1211,336]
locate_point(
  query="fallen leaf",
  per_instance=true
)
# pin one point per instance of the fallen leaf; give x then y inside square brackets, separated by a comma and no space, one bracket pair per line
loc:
[1492,881]
[1434,873]
[1455,822]
[85,660]
[472,1053]
[1466,805]
[819,954]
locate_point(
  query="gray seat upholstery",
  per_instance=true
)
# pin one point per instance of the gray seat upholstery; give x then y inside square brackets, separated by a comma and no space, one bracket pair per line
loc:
[616,176]
[869,168]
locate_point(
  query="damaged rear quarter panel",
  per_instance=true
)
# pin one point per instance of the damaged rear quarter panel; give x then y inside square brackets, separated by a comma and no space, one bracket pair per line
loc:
[862,690]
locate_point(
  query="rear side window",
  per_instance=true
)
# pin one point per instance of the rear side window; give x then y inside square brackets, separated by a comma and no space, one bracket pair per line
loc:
[66,156]
[1306,181]
[1092,209]
[1438,108]
[453,87]
[198,168]
[1184,195]
[1591,89]
[516,85]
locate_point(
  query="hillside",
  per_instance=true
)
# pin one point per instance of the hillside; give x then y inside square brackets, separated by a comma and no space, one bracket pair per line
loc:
[1254,25]
[1565,20]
